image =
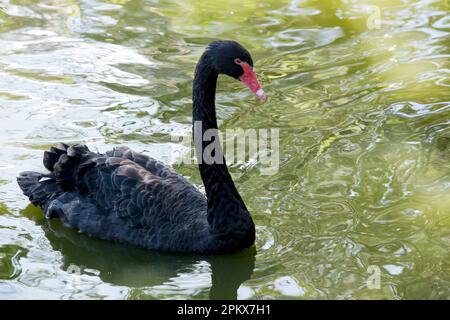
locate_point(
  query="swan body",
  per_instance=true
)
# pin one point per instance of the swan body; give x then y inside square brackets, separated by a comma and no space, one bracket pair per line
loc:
[129,197]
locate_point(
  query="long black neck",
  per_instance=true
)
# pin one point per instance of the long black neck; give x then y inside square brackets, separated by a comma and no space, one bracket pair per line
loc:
[227,213]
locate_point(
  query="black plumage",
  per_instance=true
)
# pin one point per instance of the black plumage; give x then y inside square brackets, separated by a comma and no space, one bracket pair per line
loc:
[129,197]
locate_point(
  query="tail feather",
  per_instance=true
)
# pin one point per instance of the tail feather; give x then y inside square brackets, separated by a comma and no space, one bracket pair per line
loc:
[51,157]
[39,191]
[27,181]
[67,168]
[63,162]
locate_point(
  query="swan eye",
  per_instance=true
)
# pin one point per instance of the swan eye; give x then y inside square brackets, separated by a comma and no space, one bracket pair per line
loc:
[238,61]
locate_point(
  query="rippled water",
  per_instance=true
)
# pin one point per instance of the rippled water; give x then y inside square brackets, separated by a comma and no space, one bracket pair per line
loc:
[363,111]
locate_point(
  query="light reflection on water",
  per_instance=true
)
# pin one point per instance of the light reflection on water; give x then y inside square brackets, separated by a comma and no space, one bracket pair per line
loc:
[364,124]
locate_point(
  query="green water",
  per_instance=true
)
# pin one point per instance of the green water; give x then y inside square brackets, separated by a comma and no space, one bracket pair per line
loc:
[363,112]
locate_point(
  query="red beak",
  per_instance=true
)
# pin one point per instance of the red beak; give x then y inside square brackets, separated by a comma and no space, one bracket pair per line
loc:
[250,80]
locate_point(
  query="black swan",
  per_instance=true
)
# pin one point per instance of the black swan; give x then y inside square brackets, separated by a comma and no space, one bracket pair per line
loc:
[129,197]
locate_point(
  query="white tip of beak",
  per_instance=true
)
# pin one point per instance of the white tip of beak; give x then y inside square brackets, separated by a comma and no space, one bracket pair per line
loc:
[261,94]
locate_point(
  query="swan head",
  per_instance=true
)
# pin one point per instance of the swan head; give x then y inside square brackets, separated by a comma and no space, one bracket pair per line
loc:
[231,58]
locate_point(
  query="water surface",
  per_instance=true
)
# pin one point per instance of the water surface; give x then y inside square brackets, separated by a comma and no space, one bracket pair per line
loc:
[363,112]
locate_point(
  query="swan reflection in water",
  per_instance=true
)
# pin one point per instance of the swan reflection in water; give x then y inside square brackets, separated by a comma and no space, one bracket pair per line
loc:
[125,265]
